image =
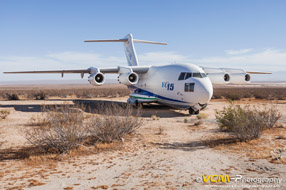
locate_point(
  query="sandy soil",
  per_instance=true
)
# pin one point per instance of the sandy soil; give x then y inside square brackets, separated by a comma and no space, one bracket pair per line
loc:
[166,153]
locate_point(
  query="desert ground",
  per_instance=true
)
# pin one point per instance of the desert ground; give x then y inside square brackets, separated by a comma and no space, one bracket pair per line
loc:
[170,151]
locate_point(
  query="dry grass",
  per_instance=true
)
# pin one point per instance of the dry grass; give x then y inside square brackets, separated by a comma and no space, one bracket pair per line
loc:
[114,123]
[254,149]
[4,114]
[246,123]
[63,129]
[79,91]
[202,116]
[237,93]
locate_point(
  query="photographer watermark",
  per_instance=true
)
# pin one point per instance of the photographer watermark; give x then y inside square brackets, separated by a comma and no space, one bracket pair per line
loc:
[237,179]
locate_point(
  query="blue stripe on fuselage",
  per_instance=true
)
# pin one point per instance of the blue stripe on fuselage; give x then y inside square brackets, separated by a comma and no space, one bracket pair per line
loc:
[145,92]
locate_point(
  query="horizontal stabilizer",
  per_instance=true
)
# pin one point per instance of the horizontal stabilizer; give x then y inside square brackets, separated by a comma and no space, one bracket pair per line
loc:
[125,40]
[119,40]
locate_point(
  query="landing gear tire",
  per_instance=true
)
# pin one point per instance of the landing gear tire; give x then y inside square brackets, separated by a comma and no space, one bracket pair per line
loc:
[197,112]
[193,112]
[136,104]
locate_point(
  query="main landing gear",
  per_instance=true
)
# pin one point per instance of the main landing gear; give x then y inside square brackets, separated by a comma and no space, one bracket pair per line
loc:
[193,112]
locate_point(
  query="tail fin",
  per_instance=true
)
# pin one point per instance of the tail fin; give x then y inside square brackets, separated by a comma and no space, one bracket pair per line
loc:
[129,47]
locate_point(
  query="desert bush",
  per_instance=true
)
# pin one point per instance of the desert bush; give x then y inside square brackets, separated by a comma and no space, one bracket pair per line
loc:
[40,96]
[4,114]
[12,96]
[197,123]
[248,92]
[61,129]
[233,96]
[154,117]
[202,116]
[114,123]
[248,122]
[64,130]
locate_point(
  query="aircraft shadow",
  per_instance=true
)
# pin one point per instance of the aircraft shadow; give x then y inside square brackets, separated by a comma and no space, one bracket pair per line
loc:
[24,108]
[95,106]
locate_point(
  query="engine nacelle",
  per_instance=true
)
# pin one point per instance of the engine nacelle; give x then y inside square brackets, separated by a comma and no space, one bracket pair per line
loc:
[128,78]
[219,78]
[240,78]
[96,79]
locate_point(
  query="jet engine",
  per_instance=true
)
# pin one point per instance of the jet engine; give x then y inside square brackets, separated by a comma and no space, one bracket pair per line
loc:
[240,78]
[219,78]
[96,79]
[128,78]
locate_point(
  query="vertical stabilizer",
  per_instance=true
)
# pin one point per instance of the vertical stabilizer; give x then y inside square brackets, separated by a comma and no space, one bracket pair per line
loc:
[130,51]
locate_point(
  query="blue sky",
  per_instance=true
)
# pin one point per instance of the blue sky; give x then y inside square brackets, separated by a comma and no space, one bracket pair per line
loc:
[49,34]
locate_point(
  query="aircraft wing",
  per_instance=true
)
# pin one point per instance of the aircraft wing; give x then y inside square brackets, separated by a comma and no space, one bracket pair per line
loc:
[230,75]
[230,70]
[255,72]
[110,70]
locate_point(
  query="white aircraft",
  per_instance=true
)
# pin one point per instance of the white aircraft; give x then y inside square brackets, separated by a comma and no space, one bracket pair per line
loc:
[183,86]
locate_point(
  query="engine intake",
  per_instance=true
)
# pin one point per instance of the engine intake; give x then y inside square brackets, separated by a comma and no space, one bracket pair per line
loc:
[128,78]
[96,79]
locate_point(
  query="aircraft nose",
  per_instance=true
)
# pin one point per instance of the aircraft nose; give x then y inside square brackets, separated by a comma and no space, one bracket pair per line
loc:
[206,91]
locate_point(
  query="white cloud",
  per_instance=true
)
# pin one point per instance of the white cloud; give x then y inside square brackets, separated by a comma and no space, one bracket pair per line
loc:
[237,52]
[266,60]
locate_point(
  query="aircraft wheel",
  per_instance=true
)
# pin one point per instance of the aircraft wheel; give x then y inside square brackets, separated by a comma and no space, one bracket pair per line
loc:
[197,112]
[191,111]
[136,104]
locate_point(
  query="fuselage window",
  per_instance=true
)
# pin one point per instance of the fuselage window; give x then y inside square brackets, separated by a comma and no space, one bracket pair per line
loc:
[189,87]
[188,75]
[182,76]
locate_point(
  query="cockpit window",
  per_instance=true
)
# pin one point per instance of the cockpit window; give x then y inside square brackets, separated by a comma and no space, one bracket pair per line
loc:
[185,76]
[204,75]
[188,75]
[182,76]
[197,75]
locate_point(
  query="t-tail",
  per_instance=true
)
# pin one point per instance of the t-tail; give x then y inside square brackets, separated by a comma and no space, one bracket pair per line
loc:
[129,48]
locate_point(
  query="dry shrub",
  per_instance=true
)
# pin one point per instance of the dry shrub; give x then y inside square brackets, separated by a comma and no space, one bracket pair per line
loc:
[40,96]
[233,96]
[248,122]
[198,123]
[4,114]
[12,96]
[114,122]
[202,116]
[64,130]
[79,91]
[235,92]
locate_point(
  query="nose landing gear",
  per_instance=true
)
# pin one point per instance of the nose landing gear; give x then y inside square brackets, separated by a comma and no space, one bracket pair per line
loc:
[193,112]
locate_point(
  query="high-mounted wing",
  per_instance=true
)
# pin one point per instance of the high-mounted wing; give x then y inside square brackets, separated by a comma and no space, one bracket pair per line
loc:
[229,75]
[136,69]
